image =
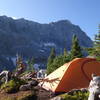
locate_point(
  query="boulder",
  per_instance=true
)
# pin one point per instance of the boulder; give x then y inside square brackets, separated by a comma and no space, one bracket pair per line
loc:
[94,88]
[28,86]
[33,83]
[25,87]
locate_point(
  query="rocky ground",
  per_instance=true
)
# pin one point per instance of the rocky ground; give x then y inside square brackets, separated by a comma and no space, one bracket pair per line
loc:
[25,87]
[40,94]
[21,95]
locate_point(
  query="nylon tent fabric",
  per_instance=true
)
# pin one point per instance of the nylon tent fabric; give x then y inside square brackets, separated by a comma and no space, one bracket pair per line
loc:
[73,75]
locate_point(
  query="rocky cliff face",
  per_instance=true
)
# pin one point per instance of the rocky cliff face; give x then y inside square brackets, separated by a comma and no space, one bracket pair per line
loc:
[34,39]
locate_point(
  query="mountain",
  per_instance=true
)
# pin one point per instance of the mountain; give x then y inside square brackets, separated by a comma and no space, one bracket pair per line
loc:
[30,38]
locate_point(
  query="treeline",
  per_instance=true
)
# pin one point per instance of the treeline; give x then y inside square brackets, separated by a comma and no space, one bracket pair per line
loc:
[95,51]
[55,62]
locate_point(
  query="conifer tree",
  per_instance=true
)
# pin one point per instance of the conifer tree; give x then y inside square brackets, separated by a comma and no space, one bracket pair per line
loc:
[19,60]
[96,47]
[76,49]
[59,61]
[31,64]
[50,60]
[65,56]
[65,52]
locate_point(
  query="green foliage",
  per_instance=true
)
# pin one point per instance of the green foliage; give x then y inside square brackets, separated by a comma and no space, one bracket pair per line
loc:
[76,96]
[59,61]
[12,86]
[29,96]
[30,66]
[65,52]
[19,60]
[76,49]
[50,60]
[95,51]
[89,50]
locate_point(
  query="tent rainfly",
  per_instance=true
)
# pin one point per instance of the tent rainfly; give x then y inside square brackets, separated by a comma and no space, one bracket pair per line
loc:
[73,75]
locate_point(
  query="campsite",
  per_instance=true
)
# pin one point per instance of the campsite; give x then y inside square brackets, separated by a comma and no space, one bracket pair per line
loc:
[72,78]
[49,50]
[67,76]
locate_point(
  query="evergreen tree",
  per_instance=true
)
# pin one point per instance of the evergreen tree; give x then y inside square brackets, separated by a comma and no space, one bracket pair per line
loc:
[20,64]
[76,49]
[65,56]
[65,52]
[30,63]
[50,60]
[96,48]
[59,60]
[19,60]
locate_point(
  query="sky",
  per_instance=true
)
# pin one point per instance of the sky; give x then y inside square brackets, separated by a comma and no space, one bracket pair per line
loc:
[85,13]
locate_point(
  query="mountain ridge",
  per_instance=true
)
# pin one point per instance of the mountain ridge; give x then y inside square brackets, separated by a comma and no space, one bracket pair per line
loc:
[30,38]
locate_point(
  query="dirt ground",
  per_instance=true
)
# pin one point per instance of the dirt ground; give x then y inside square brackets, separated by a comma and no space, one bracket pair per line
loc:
[12,96]
[41,95]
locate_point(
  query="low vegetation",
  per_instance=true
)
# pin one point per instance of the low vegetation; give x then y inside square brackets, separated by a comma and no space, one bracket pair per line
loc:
[26,95]
[76,51]
[95,51]
[55,62]
[12,86]
[75,96]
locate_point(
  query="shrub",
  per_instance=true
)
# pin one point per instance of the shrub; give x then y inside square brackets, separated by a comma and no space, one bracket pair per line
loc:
[12,86]
[76,96]
[29,96]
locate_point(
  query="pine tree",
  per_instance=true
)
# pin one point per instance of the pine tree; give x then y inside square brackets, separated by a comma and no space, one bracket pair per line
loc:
[96,48]
[59,61]
[20,65]
[76,49]
[30,64]
[65,52]
[19,60]
[65,56]
[50,60]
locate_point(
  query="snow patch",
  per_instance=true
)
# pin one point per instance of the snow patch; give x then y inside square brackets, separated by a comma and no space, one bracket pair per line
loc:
[41,50]
[50,44]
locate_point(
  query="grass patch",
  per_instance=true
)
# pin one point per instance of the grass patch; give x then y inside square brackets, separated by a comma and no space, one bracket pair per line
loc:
[12,86]
[76,96]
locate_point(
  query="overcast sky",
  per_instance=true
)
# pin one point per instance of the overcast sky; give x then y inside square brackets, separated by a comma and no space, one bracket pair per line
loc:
[85,13]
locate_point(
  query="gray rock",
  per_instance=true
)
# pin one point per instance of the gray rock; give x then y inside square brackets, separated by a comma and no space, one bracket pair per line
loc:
[25,87]
[28,86]
[84,90]
[33,83]
[5,75]
[94,88]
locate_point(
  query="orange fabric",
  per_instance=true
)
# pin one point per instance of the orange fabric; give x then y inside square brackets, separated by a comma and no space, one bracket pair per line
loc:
[73,75]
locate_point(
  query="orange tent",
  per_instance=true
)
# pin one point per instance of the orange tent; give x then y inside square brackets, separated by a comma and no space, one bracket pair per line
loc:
[73,75]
